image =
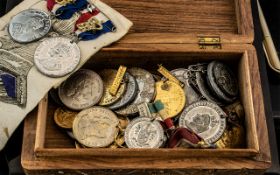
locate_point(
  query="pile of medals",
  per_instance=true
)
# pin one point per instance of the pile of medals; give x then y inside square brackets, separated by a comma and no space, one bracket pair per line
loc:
[194,107]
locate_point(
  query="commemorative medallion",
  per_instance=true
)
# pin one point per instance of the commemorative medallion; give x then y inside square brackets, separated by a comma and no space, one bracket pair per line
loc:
[172,96]
[204,118]
[144,132]
[223,83]
[129,95]
[81,90]
[145,93]
[64,118]
[108,76]
[95,127]
[223,78]
[29,25]
[191,94]
[57,56]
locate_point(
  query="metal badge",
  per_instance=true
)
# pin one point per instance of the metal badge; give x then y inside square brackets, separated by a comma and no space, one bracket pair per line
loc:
[213,84]
[57,57]
[144,132]
[81,90]
[117,80]
[146,90]
[201,81]
[224,78]
[64,118]
[29,25]
[172,96]
[205,119]
[191,94]
[129,95]
[13,78]
[108,76]
[95,127]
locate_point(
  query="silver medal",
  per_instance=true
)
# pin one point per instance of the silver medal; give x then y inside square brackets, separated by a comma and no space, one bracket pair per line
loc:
[144,132]
[146,90]
[205,119]
[29,25]
[57,57]
[81,90]
[129,95]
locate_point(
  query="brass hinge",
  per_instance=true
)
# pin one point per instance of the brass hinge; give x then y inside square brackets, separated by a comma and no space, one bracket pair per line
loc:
[209,42]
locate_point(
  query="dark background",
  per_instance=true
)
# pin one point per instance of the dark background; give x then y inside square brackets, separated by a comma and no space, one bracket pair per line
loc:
[10,156]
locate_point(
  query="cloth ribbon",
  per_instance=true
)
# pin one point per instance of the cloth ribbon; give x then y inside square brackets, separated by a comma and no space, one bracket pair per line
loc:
[67,11]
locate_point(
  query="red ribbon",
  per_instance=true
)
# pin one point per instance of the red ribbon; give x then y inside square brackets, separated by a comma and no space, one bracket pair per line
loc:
[183,134]
[50,4]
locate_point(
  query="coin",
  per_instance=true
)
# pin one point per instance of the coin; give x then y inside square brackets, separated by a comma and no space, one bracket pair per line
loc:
[81,90]
[172,96]
[191,95]
[95,127]
[146,90]
[204,89]
[223,78]
[64,118]
[144,132]
[205,119]
[129,95]
[211,80]
[29,25]
[108,76]
[57,56]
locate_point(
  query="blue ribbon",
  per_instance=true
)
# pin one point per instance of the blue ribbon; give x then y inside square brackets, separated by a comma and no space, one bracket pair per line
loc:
[67,11]
[91,35]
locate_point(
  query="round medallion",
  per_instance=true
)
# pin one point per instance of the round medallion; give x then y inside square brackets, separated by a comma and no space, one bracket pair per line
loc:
[146,90]
[190,93]
[57,57]
[108,76]
[223,78]
[172,96]
[95,127]
[205,119]
[81,90]
[201,81]
[64,118]
[29,25]
[144,132]
[129,95]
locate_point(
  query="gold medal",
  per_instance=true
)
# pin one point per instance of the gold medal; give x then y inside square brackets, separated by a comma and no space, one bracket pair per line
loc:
[169,76]
[232,138]
[64,118]
[172,96]
[108,76]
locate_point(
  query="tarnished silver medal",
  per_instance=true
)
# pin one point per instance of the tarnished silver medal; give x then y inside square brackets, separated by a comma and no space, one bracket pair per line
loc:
[144,132]
[29,25]
[57,56]
[204,118]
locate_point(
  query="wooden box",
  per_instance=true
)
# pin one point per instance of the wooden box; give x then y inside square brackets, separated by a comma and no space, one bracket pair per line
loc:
[173,33]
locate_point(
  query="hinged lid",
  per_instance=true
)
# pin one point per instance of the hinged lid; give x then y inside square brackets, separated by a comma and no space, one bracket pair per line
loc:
[184,21]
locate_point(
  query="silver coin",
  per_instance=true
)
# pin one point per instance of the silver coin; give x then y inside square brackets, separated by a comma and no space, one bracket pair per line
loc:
[129,95]
[214,86]
[95,127]
[224,78]
[57,57]
[29,25]
[146,90]
[81,90]
[205,119]
[204,89]
[191,95]
[144,132]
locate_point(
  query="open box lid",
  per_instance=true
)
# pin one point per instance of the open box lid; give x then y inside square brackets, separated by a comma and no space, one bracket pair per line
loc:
[186,21]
